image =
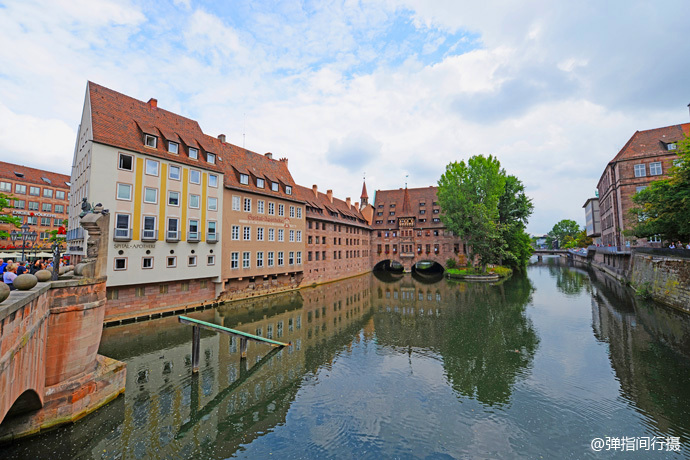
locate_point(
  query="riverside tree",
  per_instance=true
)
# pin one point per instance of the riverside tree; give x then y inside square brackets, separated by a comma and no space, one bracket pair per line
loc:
[488,209]
[564,231]
[662,209]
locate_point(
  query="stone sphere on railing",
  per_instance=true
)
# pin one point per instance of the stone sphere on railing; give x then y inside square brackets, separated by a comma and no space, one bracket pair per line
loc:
[43,275]
[4,292]
[25,282]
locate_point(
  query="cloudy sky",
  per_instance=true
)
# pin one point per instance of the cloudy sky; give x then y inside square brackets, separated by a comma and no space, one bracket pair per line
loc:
[390,88]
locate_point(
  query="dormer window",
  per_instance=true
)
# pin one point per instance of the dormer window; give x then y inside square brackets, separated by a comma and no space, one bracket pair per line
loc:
[193,153]
[288,190]
[671,146]
[172,147]
[274,186]
[150,141]
[259,183]
[244,179]
[211,158]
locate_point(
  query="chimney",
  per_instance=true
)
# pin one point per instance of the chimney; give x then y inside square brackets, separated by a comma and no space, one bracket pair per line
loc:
[153,103]
[348,202]
[357,205]
[329,194]
[285,160]
[315,189]
[268,155]
[221,137]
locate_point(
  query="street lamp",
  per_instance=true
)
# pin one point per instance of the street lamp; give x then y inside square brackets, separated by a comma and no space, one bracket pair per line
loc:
[25,236]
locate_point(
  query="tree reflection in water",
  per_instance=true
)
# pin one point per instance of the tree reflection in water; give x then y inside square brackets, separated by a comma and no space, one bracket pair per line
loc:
[480,331]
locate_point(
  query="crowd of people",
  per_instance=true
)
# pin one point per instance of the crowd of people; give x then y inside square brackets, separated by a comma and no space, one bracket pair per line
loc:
[678,245]
[10,270]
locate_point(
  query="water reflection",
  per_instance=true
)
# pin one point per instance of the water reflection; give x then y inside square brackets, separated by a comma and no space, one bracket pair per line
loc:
[480,331]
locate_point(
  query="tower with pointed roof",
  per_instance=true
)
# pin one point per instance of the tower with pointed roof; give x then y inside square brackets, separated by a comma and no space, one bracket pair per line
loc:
[364,198]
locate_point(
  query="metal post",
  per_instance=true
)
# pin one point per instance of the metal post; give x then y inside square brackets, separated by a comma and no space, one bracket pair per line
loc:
[196,345]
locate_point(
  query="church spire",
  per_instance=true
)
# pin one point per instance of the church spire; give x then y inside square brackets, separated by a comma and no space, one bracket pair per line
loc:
[364,198]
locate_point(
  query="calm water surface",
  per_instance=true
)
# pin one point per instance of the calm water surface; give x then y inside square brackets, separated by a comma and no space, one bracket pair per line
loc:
[403,367]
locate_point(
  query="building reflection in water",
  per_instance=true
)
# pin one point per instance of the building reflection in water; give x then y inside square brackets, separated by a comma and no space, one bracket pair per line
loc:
[173,413]
[479,331]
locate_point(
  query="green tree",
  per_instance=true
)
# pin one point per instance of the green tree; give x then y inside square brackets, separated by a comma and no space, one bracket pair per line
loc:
[563,229]
[514,209]
[6,217]
[469,194]
[663,208]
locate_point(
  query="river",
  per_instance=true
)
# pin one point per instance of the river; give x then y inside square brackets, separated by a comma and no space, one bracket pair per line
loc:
[395,366]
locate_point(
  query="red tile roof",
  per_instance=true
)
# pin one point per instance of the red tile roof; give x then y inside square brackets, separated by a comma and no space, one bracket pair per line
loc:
[121,121]
[415,196]
[364,190]
[652,142]
[320,201]
[33,176]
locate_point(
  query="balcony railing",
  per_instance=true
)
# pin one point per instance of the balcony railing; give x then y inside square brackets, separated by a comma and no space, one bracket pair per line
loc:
[149,235]
[212,238]
[123,234]
[172,236]
[193,237]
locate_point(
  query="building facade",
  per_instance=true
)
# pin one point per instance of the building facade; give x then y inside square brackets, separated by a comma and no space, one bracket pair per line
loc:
[646,157]
[592,220]
[39,198]
[157,173]
[338,237]
[407,229]
[264,225]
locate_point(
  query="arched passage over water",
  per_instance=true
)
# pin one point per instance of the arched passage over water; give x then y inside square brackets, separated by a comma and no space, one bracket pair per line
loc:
[26,402]
[427,267]
[389,266]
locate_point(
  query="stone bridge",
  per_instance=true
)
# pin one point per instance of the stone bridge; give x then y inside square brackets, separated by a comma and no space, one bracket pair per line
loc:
[408,260]
[50,369]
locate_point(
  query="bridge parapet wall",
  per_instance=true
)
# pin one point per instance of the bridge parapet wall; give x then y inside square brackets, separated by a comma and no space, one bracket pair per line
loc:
[23,334]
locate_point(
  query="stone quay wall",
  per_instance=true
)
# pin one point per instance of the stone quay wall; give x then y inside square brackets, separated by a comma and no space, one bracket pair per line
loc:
[665,277]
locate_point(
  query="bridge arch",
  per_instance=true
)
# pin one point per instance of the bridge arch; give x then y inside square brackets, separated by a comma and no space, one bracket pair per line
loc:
[26,402]
[389,265]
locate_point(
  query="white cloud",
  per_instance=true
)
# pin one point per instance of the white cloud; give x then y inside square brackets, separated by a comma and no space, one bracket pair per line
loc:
[391,88]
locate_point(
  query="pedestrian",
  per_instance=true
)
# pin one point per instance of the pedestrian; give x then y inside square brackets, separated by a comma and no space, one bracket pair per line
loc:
[9,275]
[3,264]
[36,266]
[672,246]
[688,246]
[21,269]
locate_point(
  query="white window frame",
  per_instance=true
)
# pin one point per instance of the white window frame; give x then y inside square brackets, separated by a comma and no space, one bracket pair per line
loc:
[192,197]
[144,229]
[291,258]
[170,193]
[247,205]
[292,211]
[124,187]
[150,162]
[299,212]
[246,259]
[143,263]
[640,170]
[260,183]
[193,153]
[119,259]
[119,162]
[213,180]
[281,258]
[671,146]
[38,191]
[150,140]
[299,236]
[211,158]
[271,234]
[274,186]
[260,206]
[281,235]
[170,259]
[288,190]
[292,236]
[244,179]
[259,234]
[234,260]
[236,203]
[173,147]
[299,258]
[281,210]
[128,229]
[177,226]
[155,199]
[174,168]
[193,173]
[259,259]
[190,232]
[191,261]
[235,234]
[653,167]
[211,259]
[212,203]
[271,208]
[246,233]
[20,188]
[270,258]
